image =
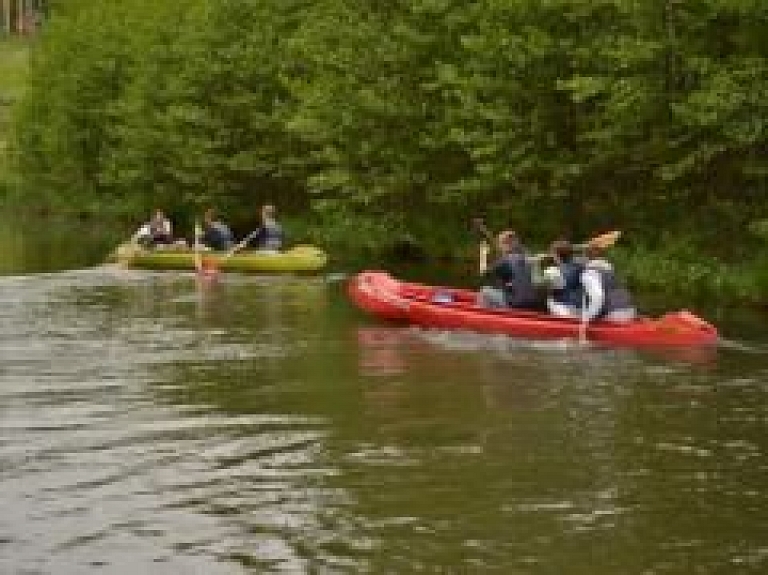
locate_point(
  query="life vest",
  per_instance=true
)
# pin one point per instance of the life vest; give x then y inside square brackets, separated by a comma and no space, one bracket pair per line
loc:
[271,236]
[159,230]
[615,295]
[572,292]
[218,236]
[513,273]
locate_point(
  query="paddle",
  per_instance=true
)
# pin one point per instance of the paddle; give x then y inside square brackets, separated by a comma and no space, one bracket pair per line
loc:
[480,226]
[236,248]
[601,241]
[485,247]
[197,246]
[584,321]
[206,266]
[605,240]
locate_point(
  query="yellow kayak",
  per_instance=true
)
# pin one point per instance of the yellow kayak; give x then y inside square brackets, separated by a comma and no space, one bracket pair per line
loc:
[303,258]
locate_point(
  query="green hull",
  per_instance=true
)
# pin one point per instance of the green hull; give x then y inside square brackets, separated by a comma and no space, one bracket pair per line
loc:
[298,259]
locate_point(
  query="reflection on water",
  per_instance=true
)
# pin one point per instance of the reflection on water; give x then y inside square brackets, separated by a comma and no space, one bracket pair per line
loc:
[152,423]
[30,245]
[556,444]
[381,350]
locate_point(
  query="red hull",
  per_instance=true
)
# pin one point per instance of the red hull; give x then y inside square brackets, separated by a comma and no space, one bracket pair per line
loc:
[386,297]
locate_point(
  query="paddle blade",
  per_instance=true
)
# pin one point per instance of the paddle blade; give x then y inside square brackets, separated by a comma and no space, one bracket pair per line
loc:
[209,267]
[605,240]
[197,246]
[125,253]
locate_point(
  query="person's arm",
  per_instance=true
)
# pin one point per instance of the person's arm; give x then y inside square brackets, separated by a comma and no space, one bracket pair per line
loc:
[143,232]
[593,287]
[245,241]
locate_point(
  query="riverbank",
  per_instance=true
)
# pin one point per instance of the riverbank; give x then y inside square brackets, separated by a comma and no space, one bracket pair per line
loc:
[675,268]
[678,267]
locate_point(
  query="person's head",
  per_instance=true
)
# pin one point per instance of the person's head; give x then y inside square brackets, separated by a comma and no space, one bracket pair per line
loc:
[209,215]
[561,250]
[507,241]
[158,215]
[268,212]
[593,252]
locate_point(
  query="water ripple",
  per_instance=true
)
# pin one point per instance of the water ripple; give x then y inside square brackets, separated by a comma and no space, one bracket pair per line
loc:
[115,477]
[151,424]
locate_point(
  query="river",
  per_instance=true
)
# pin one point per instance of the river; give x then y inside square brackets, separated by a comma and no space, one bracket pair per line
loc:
[153,423]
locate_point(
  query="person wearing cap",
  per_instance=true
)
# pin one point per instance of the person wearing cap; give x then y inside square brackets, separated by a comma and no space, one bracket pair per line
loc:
[510,277]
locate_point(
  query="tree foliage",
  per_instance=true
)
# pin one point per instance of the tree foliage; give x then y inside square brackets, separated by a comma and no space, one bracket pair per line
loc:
[560,111]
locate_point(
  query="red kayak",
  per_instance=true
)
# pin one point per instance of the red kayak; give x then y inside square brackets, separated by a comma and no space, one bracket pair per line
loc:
[386,297]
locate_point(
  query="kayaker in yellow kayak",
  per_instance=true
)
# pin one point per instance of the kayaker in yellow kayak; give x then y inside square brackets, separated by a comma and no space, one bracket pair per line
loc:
[268,236]
[158,231]
[216,235]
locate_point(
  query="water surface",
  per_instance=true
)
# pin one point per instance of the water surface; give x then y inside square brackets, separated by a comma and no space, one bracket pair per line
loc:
[153,423]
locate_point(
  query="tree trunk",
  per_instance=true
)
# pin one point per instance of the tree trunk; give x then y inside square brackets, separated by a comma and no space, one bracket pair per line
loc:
[6,13]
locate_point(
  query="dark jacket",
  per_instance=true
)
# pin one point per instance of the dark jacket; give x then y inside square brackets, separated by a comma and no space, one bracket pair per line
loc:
[572,292]
[268,237]
[217,236]
[512,273]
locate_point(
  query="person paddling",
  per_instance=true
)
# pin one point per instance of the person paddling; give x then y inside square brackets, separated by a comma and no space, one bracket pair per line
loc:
[606,298]
[566,291]
[268,236]
[158,231]
[510,277]
[216,235]
[585,288]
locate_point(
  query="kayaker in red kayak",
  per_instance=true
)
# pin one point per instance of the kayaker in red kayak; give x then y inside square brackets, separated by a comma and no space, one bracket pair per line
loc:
[587,288]
[566,290]
[510,277]
[606,297]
